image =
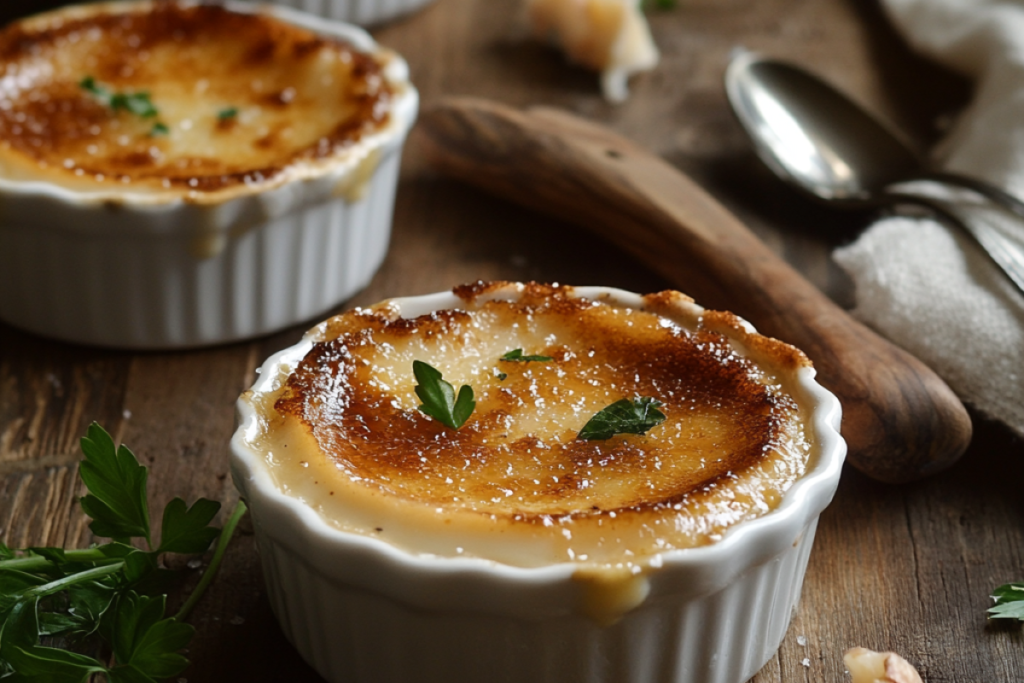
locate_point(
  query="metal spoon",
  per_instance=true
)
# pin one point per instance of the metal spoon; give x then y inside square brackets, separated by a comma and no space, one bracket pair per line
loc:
[814,137]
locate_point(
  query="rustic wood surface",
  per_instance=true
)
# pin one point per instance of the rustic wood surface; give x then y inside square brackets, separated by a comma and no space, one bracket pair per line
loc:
[907,568]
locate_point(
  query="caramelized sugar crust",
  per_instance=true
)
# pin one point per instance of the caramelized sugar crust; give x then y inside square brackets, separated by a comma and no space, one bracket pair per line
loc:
[518,456]
[297,96]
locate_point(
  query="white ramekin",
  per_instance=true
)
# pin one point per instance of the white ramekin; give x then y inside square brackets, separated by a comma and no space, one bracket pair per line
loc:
[362,12]
[134,270]
[361,610]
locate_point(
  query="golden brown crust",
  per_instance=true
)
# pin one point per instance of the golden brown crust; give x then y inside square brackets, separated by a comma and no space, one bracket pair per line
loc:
[408,454]
[252,63]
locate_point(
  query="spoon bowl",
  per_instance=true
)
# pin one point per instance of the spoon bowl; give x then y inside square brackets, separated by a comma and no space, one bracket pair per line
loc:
[812,135]
[818,140]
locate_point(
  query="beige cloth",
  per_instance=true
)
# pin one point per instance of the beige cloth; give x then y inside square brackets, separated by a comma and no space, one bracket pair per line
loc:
[926,286]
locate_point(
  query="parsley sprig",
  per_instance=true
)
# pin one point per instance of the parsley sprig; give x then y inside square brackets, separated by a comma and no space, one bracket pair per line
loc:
[1009,602]
[106,600]
[138,103]
[516,356]
[626,416]
[438,396]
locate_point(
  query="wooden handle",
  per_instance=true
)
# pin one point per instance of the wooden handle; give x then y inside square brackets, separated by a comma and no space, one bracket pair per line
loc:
[900,420]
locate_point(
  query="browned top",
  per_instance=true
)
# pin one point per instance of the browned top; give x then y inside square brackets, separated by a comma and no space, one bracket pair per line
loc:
[724,413]
[242,96]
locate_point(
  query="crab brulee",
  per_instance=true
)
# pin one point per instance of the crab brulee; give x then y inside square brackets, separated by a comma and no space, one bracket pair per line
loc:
[174,97]
[534,424]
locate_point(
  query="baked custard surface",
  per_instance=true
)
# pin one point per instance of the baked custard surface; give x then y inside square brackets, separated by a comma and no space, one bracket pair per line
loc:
[236,97]
[515,484]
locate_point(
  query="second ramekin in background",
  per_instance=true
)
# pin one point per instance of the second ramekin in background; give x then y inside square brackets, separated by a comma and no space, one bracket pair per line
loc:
[112,266]
[361,12]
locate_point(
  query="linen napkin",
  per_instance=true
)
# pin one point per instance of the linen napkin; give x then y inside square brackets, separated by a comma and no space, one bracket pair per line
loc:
[925,285]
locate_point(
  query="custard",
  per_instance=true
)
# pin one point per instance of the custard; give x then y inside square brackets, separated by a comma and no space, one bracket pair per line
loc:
[179,98]
[342,430]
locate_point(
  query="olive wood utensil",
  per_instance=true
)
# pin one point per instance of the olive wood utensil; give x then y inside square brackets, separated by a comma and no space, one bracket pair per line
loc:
[900,420]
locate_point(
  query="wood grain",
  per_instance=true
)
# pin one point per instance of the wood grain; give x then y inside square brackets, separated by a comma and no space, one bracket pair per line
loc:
[903,567]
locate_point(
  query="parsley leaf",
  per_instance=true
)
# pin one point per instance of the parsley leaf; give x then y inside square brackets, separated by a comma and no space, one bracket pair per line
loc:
[228,113]
[438,397]
[89,84]
[516,356]
[147,641]
[1009,602]
[185,530]
[106,599]
[626,416]
[117,488]
[137,103]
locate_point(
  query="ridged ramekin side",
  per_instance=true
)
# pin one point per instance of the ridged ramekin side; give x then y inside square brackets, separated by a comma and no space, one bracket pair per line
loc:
[361,12]
[356,636]
[152,291]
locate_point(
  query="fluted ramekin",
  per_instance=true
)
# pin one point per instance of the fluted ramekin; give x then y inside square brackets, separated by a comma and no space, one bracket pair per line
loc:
[135,270]
[359,609]
[361,12]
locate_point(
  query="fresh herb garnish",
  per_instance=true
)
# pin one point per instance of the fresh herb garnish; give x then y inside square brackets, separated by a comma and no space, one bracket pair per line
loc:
[105,599]
[229,113]
[438,396]
[502,376]
[89,83]
[1009,602]
[659,4]
[627,416]
[137,103]
[516,356]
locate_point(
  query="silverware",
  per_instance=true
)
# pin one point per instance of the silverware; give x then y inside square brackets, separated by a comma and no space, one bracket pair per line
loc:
[812,136]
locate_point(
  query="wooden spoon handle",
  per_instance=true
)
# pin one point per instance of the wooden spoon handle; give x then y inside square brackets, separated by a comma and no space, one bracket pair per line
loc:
[900,420]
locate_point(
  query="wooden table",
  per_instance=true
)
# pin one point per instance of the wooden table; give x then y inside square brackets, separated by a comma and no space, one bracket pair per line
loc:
[906,568]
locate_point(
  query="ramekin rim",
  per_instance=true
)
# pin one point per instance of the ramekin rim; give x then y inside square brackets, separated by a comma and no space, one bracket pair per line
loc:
[403,109]
[804,501]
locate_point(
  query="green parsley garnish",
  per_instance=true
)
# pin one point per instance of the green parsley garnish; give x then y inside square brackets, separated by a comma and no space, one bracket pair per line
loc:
[516,356]
[137,103]
[158,129]
[1009,602]
[229,113]
[438,397]
[89,83]
[627,416]
[106,599]
[502,376]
